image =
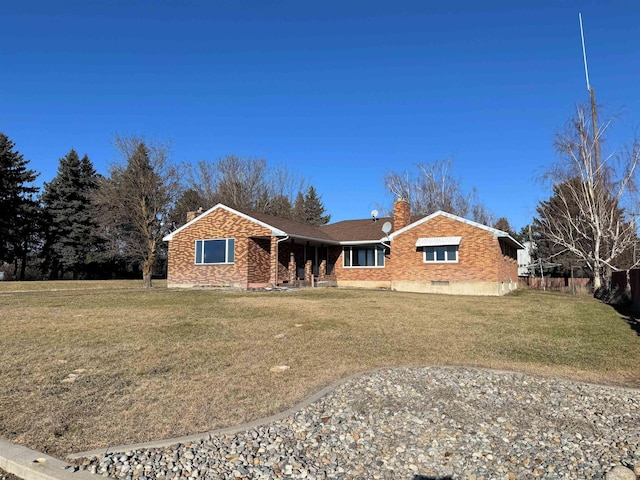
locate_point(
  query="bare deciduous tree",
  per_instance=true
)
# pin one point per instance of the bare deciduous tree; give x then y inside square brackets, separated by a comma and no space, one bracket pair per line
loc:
[246,183]
[134,201]
[433,189]
[588,214]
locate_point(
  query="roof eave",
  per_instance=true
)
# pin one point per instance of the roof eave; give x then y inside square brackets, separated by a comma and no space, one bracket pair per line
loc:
[516,243]
[311,239]
[274,231]
[361,242]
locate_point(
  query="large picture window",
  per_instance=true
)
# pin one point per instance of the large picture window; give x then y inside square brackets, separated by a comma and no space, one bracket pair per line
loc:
[214,251]
[363,256]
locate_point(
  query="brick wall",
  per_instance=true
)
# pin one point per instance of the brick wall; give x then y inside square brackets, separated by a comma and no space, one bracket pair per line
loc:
[480,258]
[507,262]
[181,269]
[259,260]
[373,274]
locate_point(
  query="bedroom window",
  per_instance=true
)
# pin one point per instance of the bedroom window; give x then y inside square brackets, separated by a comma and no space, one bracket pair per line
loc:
[439,249]
[443,253]
[214,251]
[363,256]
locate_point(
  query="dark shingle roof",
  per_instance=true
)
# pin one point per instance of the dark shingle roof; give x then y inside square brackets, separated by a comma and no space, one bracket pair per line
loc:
[344,231]
[356,230]
[290,227]
[360,230]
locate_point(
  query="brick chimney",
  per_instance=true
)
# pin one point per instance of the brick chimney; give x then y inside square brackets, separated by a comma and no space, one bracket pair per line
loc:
[192,215]
[401,214]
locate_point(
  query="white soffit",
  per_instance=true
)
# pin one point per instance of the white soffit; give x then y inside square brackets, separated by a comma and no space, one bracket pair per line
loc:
[437,241]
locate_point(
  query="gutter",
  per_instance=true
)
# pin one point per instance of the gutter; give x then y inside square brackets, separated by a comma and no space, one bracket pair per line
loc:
[282,239]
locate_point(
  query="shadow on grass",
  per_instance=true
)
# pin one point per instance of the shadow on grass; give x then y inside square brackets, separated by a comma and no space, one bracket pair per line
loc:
[630,315]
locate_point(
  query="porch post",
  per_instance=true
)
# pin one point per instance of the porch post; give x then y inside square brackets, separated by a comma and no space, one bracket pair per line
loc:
[292,269]
[308,273]
[273,271]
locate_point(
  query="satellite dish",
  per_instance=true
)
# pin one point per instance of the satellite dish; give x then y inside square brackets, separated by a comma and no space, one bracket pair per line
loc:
[374,214]
[386,228]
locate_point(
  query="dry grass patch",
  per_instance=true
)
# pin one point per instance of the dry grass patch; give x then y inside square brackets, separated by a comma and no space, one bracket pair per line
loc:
[161,363]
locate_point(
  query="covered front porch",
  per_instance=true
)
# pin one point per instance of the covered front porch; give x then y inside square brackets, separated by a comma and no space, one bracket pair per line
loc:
[291,261]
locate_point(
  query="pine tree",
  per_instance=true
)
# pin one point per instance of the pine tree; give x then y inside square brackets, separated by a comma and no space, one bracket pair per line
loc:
[297,213]
[314,211]
[18,207]
[70,215]
[279,206]
[190,201]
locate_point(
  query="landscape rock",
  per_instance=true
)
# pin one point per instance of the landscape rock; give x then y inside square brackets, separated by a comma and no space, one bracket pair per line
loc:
[279,368]
[620,473]
[412,422]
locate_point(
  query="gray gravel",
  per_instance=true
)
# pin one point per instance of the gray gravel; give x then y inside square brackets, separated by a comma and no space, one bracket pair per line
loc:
[418,424]
[7,476]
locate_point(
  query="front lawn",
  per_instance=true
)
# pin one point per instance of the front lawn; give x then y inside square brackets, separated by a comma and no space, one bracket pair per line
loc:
[162,363]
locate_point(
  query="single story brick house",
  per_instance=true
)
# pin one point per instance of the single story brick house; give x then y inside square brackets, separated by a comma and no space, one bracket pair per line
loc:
[437,253]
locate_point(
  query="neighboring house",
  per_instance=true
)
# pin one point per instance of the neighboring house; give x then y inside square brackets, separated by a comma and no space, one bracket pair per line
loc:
[524,259]
[437,253]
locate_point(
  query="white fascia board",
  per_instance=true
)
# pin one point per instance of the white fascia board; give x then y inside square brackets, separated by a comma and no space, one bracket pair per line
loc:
[363,242]
[495,231]
[415,224]
[512,240]
[275,231]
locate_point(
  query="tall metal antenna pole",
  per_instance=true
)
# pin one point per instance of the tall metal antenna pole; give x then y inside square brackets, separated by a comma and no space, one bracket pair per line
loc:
[594,110]
[584,53]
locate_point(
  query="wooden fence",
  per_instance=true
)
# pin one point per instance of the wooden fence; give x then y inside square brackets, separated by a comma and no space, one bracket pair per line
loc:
[627,279]
[562,284]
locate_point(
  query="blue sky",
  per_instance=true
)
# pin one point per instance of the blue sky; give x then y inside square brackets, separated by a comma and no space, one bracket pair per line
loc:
[339,91]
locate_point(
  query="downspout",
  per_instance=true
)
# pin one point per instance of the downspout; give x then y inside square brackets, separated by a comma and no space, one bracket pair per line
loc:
[276,262]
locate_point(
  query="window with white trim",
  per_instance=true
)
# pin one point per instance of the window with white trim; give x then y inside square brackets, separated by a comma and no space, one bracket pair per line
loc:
[214,251]
[441,254]
[371,256]
[439,249]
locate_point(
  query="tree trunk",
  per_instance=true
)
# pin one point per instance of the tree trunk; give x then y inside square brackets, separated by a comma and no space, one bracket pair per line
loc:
[23,265]
[147,269]
[146,279]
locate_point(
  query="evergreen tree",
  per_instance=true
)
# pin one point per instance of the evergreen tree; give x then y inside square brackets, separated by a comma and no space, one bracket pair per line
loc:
[70,216]
[18,207]
[279,206]
[297,213]
[503,224]
[314,211]
[189,201]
